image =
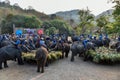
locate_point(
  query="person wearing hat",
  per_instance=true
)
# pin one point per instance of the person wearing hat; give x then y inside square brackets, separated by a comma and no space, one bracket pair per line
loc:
[17,43]
[85,42]
[42,43]
[100,37]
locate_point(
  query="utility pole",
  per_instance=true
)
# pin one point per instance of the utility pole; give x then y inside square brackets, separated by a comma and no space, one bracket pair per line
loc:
[14,28]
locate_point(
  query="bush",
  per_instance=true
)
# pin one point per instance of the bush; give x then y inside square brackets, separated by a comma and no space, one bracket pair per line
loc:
[104,55]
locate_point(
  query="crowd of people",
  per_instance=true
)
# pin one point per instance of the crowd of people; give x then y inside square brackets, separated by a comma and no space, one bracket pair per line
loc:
[34,41]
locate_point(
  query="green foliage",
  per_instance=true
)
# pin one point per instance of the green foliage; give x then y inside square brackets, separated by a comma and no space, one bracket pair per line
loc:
[6,27]
[109,28]
[102,22]
[116,26]
[117,9]
[32,22]
[116,14]
[50,30]
[58,26]
[104,55]
[6,9]
[19,21]
[85,21]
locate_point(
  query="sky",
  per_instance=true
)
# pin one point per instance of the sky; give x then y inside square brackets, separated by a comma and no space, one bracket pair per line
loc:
[52,6]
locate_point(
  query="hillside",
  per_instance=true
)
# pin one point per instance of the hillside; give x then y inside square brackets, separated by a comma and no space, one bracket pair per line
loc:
[69,16]
[6,9]
[106,13]
[74,16]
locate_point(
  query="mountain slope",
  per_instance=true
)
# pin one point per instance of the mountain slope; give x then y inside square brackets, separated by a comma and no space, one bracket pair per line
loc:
[73,15]
[6,9]
[106,13]
[69,16]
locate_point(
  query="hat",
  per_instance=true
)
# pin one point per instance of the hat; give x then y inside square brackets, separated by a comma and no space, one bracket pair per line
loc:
[42,42]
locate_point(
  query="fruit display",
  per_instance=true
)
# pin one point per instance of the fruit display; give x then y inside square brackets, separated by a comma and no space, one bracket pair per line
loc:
[53,55]
[104,55]
[28,56]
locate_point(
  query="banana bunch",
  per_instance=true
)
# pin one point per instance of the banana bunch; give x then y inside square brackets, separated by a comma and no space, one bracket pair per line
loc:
[49,57]
[29,56]
[54,55]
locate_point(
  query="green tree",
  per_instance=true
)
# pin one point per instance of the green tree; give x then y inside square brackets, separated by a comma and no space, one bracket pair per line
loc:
[46,25]
[102,22]
[32,22]
[19,21]
[52,30]
[6,24]
[60,26]
[85,21]
[116,15]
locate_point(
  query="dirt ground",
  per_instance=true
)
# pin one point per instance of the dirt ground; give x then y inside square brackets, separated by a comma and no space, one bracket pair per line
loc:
[62,70]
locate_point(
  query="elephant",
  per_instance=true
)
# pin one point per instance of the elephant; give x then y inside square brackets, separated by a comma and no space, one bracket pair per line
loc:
[65,50]
[98,43]
[89,46]
[58,47]
[41,58]
[75,38]
[10,52]
[106,42]
[64,47]
[77,48]
[4,43]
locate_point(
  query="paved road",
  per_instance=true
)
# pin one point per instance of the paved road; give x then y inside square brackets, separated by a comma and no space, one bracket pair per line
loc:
[62,70]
